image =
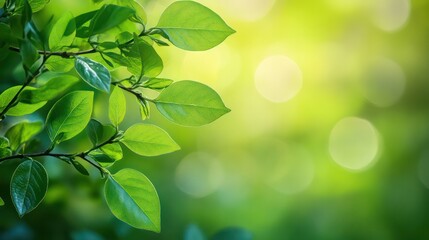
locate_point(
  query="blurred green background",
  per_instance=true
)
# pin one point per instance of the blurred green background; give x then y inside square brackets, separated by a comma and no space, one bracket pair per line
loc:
[327,138]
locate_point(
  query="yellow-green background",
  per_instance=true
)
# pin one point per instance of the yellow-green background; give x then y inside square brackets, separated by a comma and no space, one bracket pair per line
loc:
[267,166]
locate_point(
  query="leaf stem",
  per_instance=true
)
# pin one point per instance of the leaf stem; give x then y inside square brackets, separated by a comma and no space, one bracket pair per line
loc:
[138,95]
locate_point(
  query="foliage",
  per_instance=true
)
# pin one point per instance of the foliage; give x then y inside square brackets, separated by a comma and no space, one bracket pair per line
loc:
[49,55]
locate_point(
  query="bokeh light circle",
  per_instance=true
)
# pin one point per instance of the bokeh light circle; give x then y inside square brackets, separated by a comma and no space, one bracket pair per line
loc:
[384,83]
[199,174]
[278,78]
[354,143]
[391,15]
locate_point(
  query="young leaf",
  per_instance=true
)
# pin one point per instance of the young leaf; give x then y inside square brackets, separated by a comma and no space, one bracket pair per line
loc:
[63,32]
[148,140]
[28,186]
[5,152]
[144,60]
[79,167]
[108,153]
[191,26]
[99,133]
[22,132]
[157,83]
[93,73]
[54,88]
[19,109]
[193,232]
[69,115]
[133,199]
[117,106]
[107,17]
[144,108]
[1,202]
[190,103]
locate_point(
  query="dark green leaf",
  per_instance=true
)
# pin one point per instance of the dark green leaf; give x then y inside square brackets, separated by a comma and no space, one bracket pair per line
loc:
[99,133]
[19,109]
[157,83]
[124,37]
[4,142]
[22,132]
[54,88]
[193,232]
[5,152]
[109,16]
[79,167]
[117,106]
[69,115]
[149,140]
[133,199]
[36,5]
[29,53]
[63,32]
[93,73]
[28,186]
[190,103]
[233,233]
[191,26]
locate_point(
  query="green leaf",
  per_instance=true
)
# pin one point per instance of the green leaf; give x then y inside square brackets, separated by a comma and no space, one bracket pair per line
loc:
[54,88]
[143,59]
[36,5]
[93,73]
[190,103]
[79,167]
[117,106]
[148,140]
[133,199]
[59,64]
[193,232]
[191,26]
[19,109]
[1,202]
[157,83]
[69,115]
[4,142]
[28,53]
[63,32]
[99,133]
[5,152]
[117,58]
[233,233]
[109,16]
[22,132]
[28,186]
[144,108]
[140,15]
[108,153]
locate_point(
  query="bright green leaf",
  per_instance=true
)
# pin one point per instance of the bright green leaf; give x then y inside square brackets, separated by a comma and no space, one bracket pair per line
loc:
[117,106]
[148,140]
[63,32]
[69,115]
[117,58]
[93,73]
[144,60]
[144,108]
[19,109]
[157,83]
[108,153]
[133,199]
[36,5]
[191,26]
[54,88]
[1,202]
[59,64]
[28,186]
[109,16]
[5,152]
[22,132]
[190,103]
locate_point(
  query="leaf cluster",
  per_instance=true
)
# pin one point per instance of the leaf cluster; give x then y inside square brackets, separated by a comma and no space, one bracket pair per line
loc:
[95,47]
